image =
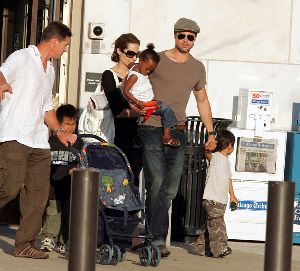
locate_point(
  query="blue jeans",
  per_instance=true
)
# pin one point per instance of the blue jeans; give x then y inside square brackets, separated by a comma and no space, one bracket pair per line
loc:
[168,118]
[162,170]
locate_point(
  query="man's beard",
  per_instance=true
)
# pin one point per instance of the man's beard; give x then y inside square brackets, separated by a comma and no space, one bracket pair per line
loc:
[183,51]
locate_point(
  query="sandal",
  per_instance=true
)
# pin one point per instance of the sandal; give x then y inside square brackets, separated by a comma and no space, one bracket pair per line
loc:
[31,252]
[172,142]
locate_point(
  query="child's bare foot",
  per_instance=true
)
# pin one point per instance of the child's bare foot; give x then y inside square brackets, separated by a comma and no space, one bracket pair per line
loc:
[171,142]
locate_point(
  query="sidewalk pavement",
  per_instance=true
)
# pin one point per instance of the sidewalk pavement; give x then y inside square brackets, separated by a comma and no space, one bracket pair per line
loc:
[246,256]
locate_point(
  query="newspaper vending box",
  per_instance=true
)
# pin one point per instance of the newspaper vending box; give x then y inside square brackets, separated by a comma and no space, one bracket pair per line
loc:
[259,157]
[254,162]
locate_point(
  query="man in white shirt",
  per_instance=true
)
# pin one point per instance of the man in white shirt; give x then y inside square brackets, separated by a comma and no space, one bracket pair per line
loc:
[26,81]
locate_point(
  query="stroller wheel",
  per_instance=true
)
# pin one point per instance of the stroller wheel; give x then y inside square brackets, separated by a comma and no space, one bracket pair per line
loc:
[116,255]
[145,256]
[156,256]
[104,255]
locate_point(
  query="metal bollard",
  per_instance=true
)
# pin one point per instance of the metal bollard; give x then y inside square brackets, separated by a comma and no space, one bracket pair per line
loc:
[278,247]
[83,220]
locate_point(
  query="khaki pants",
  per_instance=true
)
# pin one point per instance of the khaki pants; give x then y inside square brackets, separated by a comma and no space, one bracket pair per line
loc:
[56,223]
[25,170]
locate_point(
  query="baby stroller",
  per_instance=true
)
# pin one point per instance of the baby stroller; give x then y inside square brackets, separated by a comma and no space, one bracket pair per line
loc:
[119,204]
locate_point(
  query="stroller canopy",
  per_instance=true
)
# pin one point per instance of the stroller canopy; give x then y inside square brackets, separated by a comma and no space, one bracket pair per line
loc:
[116,188]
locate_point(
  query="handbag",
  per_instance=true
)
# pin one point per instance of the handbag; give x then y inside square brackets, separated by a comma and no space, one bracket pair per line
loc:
[97,117]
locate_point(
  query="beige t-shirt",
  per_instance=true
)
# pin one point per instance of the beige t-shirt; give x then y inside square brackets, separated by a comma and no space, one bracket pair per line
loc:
[217,180]
[173,83]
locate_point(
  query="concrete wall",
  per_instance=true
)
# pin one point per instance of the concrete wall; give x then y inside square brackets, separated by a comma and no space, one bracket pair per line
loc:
[243,44]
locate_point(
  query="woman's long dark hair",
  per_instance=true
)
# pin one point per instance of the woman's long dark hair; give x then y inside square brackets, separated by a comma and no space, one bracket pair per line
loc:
[122,43]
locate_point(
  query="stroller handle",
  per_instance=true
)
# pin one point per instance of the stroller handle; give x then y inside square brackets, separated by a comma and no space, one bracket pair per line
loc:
[92,136]
[77,152]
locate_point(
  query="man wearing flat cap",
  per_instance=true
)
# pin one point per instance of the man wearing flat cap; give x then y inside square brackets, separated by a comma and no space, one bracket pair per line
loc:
[184,24]
[177,74]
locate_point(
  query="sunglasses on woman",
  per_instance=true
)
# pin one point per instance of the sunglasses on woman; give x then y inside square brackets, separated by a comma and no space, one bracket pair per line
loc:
[183,36]
[130,54]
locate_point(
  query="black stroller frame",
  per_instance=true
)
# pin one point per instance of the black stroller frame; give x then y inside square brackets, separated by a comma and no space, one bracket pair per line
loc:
[119,204]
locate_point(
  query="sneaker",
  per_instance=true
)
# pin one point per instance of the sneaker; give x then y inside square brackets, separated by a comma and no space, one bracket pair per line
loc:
[31,252]
[47,244]
[226,251]
[60,248]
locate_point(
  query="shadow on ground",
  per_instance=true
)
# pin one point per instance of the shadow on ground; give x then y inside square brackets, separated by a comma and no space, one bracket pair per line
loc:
[7,233]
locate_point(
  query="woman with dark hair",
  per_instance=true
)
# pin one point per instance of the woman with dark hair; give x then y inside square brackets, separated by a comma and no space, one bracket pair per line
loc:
[126,138]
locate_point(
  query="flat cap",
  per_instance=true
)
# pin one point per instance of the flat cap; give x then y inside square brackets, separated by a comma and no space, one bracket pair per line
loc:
[184,24]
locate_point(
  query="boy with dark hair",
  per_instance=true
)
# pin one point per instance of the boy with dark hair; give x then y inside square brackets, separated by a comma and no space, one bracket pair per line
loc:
[215,197]
[55,230]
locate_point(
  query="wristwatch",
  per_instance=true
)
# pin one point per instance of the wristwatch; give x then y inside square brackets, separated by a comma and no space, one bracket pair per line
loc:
[60,130]
[213,132]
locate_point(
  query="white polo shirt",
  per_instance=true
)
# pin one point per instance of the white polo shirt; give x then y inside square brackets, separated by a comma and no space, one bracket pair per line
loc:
[217,180]
[22,112]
